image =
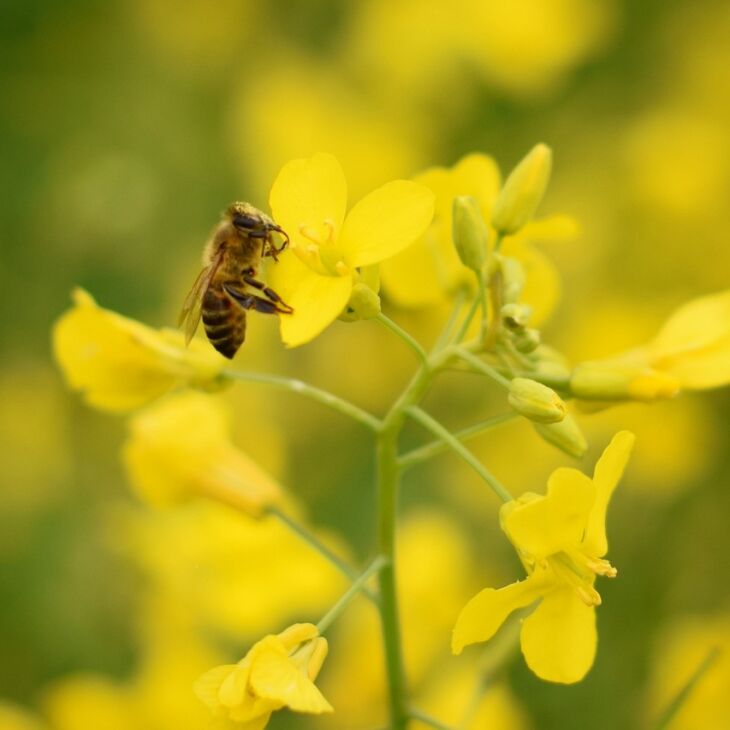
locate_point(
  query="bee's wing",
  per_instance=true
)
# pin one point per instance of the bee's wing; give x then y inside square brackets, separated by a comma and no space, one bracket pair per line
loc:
[193,304]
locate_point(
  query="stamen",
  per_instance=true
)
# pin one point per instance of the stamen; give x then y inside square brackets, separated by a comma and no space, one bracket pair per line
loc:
[601,567]
[330,225]
[342,268]
[309,233]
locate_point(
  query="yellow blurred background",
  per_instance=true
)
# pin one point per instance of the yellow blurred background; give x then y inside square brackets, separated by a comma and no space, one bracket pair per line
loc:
[126,127]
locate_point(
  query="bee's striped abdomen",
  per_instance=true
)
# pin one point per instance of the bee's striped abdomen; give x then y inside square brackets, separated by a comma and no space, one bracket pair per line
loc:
[224,321]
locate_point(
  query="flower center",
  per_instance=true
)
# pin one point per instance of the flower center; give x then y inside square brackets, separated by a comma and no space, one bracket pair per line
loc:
[321,254]
[579,571]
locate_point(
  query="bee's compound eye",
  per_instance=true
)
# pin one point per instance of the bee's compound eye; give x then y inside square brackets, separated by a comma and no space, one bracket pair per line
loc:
[246,222]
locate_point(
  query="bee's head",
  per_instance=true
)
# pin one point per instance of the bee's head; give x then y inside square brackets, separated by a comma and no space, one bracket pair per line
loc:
[249,220]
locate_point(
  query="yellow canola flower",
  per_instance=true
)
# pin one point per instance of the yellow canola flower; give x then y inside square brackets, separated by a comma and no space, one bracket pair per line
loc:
[691,352]
[119,364]
[181,448]
[278,671]
[561,540]
[430,272]
[328,247]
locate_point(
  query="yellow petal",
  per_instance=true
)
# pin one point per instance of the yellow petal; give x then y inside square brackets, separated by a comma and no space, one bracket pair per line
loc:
[385,222]
[234,688]
[694,344]
[275,677]
[296,634]
[120,364]
[487,611]
[559,637]
[306,193]
[208,685]
[317,300]
[546,525]
[609,469]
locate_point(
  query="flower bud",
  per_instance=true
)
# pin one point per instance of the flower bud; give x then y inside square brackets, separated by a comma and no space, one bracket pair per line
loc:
[469,232]
[522,191]
[516,316]
[536,401]
[513,279]
[616,380]
[527,341]
[364,304]
[566,435]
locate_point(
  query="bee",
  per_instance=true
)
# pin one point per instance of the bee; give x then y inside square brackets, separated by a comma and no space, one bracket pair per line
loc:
[228,286]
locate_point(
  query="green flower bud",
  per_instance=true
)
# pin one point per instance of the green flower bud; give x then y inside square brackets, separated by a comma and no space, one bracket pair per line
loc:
[527,341]
[522,191]
[469,232]
[364,304]
[513,278]
[621,381]
[566,435]
[536,401]
[516,316]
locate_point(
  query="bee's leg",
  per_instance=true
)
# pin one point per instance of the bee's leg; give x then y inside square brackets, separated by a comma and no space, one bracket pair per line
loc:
[270,294]
[251,301]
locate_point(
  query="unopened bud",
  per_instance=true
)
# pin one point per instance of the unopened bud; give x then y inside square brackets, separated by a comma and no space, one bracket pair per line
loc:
[522,191]
[527,341]
[364,304]
[516,316]
[566,435]
[469,232]
[536,401]
[622,381]
[513,278]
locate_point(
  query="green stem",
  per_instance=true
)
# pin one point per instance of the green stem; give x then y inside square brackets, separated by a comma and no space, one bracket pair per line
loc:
[482,294]
[321,396]
[467,320]
[359,585]
[443,338]
[428,720]
[388,479]
[422,453]
[481,366]
[314,542]
[408,339]
[676,704]
[447,437]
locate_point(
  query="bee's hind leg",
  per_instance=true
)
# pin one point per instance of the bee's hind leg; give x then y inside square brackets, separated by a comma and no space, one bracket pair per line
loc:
[251,301]
[270,294]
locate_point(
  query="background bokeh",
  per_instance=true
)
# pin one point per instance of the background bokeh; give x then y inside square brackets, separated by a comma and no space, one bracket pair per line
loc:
[125,128]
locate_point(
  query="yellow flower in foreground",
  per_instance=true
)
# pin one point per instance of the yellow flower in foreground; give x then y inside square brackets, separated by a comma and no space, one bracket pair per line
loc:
[181,448]
[119,364]
[278,671]
[691,351]
[316,275]
[561,539]
[430,271]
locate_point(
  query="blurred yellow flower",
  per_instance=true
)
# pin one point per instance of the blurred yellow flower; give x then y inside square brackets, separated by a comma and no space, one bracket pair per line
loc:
[308,200]
[691,351]
[204,560]
[181,448]
[430,271]
[449,694]
[157,696]
[561,540]
[278,671]
[682,647]
[119,364]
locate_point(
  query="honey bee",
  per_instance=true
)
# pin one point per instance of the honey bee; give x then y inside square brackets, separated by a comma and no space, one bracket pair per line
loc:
[228,286]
